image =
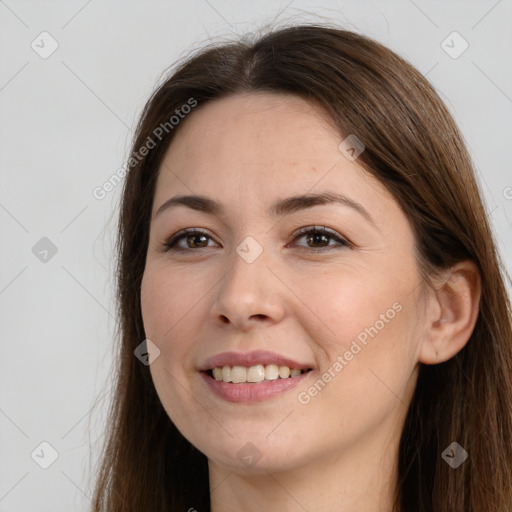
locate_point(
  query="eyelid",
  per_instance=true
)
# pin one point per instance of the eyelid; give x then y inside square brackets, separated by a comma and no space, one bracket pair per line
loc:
[178,235]
[325,230]
[322,229]
[170,244]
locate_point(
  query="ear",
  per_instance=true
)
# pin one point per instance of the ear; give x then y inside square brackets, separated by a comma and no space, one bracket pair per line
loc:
[452,313]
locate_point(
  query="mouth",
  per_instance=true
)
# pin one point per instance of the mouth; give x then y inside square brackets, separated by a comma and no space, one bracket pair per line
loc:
[254,374]
[250,385]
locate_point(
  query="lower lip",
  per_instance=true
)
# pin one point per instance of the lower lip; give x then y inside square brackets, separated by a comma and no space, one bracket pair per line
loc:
[252,392]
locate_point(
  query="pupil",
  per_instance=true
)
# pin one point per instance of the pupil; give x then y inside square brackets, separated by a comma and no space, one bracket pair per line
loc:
[191,238]
[314,237]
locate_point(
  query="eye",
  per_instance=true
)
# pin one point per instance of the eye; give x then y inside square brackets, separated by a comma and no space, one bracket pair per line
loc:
[191,237]
[315,235]
[319,235]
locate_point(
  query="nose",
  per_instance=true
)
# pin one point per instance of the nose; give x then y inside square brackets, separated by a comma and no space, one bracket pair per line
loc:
[250,294]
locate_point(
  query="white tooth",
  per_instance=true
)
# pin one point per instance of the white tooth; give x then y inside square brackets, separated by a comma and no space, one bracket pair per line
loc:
[295,372]
[217,373]
[271,372]
[256,373]
[239,374]
[284,372]
[226,373]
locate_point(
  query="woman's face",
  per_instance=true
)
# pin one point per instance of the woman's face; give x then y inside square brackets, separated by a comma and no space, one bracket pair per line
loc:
[250,281]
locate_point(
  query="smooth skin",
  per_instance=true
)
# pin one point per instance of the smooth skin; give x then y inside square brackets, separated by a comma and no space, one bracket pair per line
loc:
[338,451]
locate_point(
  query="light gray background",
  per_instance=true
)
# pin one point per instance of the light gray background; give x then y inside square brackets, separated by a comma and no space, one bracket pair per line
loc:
[66,123]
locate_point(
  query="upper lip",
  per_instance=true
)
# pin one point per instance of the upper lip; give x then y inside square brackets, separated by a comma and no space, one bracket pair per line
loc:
[252,358]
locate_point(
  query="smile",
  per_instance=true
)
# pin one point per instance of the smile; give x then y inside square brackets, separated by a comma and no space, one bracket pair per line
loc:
[257,373]
[248,385]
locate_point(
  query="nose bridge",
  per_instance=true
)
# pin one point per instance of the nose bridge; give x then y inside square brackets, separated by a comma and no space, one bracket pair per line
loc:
[249,289]
[248,267]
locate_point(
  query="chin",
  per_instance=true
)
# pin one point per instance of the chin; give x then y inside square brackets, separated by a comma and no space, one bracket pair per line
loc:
[253,457]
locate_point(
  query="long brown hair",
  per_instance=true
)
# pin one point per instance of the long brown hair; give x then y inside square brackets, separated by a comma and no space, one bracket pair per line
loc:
[415,149]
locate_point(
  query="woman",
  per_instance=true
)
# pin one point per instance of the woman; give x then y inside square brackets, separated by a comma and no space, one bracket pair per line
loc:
[309,281]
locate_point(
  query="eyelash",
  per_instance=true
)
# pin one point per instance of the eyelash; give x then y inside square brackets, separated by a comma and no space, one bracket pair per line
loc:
[322,230]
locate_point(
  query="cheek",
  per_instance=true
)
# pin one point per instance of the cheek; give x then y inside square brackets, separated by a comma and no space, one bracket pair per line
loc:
[167,298]
[343,307]
[365,378]
[166,319]
[365,328]
[168,322]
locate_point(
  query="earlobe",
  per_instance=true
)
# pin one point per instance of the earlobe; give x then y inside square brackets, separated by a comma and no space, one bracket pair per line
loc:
[453,313]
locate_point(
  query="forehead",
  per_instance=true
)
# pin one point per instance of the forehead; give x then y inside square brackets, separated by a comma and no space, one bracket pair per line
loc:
[244,122]
[258,147]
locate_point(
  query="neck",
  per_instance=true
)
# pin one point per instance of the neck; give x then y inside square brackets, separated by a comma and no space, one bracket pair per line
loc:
[359,478]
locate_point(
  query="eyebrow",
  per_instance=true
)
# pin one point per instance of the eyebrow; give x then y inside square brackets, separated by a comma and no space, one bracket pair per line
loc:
[281,207]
